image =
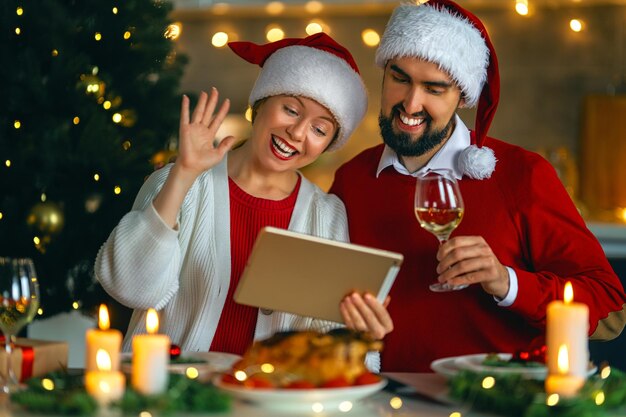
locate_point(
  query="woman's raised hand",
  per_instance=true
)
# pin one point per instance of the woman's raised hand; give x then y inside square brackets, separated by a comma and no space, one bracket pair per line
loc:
[198,149]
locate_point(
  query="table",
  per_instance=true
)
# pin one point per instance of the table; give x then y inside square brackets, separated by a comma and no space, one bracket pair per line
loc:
[433,403]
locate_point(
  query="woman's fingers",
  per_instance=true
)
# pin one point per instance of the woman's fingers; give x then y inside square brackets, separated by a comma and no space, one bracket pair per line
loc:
[209,108]
[198,112]
[184,111]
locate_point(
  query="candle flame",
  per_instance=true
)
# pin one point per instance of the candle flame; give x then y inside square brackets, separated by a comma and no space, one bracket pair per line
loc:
[103,318]
[103,360]
[563,360]
[568,293]
[152,321]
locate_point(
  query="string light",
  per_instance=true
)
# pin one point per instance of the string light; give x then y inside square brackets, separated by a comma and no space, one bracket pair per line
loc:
[95,70]
[117,190]
[114,10]
[317,407]
[396,403]
[18,31]
[521,7]
[116,118]
[43,197]
[220,8]
[552,400]
[127,35]
[313,6]
[455,414]
[275,7]
[1,215]
[274,33]
[76,120]
[7,163]
[40,311]
[36,240]
[96,177]
[488,382]
[219,39]
[106,105]
[55,52]
[345,406]
[47,384]
[191,372]
[75,305]
[19,11]
[173,31]
[599,398]
[17,124]
[126,145]
[313,28]
[370,37]
[97,36]
[576,25]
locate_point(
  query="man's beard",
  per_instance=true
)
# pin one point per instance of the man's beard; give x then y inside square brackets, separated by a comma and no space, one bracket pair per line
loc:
[403,144]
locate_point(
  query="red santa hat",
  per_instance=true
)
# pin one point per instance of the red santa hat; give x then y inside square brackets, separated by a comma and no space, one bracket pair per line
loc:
[442,32]
[315,67]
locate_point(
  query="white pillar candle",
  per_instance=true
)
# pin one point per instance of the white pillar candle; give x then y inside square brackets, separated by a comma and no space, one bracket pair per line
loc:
[151,355]
[568,324]
[104,338]
[104,384]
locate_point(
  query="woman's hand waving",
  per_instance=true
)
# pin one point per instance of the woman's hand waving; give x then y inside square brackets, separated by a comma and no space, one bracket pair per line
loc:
[198,148]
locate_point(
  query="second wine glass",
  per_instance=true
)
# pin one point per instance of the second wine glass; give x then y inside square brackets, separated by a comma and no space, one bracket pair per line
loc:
[439,209]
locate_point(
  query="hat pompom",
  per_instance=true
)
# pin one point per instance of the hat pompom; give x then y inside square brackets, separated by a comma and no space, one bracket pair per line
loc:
[477,163]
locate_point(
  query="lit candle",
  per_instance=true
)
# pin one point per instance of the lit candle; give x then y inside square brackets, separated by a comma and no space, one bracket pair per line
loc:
[104,384]
[568,324]
[563,382]
[109,340]
[150,358]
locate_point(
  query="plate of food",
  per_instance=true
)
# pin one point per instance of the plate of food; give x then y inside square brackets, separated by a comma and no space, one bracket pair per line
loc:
[204,362]
[493,363]
[304,370]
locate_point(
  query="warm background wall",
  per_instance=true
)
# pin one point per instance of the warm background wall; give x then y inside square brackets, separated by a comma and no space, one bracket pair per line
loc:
[547,70]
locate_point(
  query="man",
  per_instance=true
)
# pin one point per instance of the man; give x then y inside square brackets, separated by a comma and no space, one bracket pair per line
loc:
[521,238]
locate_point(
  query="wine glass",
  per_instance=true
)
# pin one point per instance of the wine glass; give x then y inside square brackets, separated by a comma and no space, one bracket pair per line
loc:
[439,209]
[19,301]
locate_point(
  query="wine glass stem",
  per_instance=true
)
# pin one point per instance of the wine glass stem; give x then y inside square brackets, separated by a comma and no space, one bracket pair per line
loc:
[10,380]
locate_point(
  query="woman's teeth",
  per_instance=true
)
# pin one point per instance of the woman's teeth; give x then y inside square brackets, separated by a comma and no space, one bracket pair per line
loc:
[283,148]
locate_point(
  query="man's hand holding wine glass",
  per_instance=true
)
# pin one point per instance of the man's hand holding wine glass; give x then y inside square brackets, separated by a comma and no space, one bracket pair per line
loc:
[470,260]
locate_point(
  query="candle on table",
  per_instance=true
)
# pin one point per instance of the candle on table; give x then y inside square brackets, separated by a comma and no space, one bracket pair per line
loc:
[104,338]
[150,358]
[564,383]
[567,344]
[104,384]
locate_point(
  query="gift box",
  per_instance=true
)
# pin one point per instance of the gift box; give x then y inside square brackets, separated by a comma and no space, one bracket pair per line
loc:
[31,357]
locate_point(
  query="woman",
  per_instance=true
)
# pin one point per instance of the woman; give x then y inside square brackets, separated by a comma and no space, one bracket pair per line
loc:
[184,245]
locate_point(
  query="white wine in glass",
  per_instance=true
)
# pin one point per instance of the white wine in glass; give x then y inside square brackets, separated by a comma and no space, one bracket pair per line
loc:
[19,301]
[439,209]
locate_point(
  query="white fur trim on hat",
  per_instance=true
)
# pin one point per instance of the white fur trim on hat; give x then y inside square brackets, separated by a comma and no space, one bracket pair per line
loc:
[318,75]
[439,36]
[477,163]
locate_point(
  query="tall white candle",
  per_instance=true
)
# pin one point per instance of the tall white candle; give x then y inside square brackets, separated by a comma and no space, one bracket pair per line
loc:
[104,338]
[568,324]
[151,355]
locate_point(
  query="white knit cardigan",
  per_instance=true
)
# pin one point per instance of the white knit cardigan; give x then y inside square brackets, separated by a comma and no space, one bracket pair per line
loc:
[185,273]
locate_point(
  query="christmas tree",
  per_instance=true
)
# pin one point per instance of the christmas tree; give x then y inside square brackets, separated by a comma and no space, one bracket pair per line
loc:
[89,97]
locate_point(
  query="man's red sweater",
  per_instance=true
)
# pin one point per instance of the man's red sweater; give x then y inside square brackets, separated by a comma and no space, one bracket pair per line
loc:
[525,215]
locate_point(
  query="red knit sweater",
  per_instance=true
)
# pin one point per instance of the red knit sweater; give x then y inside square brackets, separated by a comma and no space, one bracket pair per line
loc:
[531,224]
[248,214]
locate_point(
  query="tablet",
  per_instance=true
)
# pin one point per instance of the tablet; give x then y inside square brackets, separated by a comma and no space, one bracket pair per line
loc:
[309,276]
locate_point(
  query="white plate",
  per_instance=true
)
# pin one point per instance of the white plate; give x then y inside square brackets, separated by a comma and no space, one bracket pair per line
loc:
[300,399]
[207,362]
[449,367]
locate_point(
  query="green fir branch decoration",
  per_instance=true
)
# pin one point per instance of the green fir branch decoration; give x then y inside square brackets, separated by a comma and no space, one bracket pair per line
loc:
[514,396]
[64,394]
